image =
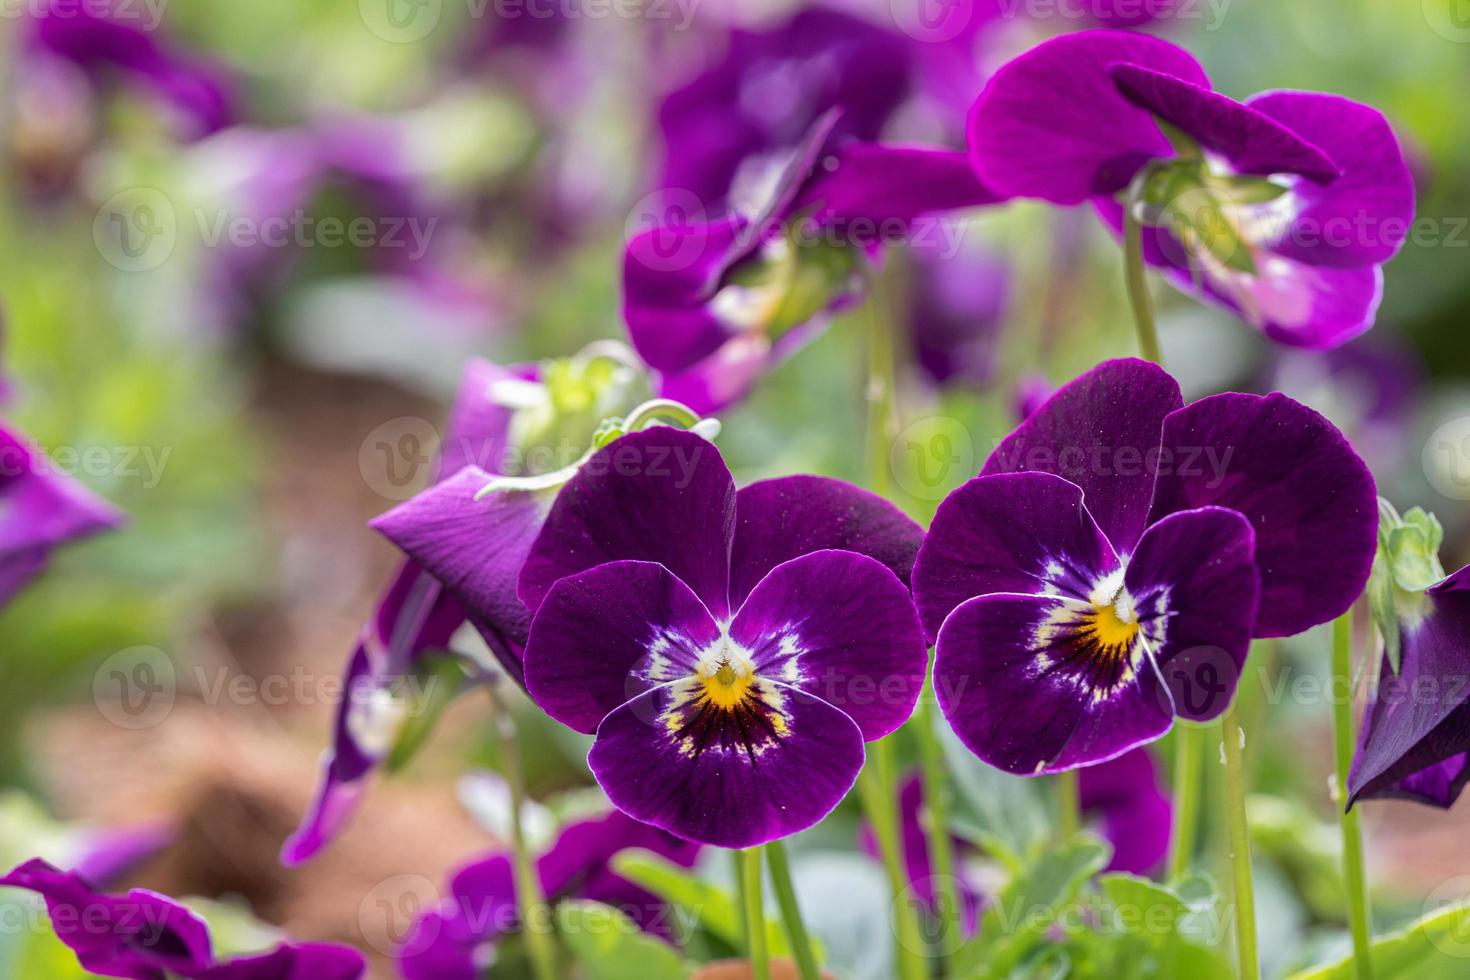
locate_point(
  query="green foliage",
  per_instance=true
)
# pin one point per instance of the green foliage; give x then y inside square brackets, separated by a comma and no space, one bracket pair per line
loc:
[1433,947]
[607,945]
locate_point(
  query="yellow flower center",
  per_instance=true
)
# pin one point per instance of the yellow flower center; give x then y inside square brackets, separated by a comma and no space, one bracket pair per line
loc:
[726,683]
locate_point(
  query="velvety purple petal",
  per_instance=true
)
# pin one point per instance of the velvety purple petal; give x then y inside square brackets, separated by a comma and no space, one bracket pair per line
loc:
[1438,785]
[661,495]
[1364,215]
[1052,124]
[291,961]
[1027,687]
[110,853]
[726,376]
[730,778]
[1124,794]
[1027,533]
[784,518]
[1310,499]
[476,547]
[431,952]
[478,430]
[138,935]
[1252,141]
[1421,717]
[606,635]
[40,505]
[1316,307]
[1195,588]
[889,186]
[1100,431]
[840,626]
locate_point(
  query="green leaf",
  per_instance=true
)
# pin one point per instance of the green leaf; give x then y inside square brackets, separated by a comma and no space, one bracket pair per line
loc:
[1155,932]
[607,945]
[1044,894]
[1434,947]
[1009,816]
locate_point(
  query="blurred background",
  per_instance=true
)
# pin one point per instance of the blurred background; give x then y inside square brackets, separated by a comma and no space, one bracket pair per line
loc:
[247,249]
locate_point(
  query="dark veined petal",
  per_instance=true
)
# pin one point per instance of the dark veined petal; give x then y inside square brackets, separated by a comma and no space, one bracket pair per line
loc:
[606,635]
[775,764]
[1438,785]
[1252,141]
[661,495]
[840,626]
[1034,684]
[784,518]
[1194,588]
[1052,124]
[1310,499]
[1100,431]
[1364,215]
[1420,718]
[1027,533]
[476,547]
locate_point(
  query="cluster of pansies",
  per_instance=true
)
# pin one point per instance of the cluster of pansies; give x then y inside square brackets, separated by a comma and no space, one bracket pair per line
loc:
[734,652]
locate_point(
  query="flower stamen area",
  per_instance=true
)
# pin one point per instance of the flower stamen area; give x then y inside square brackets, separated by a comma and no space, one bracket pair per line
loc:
[725,705]
[1095,643]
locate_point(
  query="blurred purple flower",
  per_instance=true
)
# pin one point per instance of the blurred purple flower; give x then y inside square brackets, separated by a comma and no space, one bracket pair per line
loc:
[41,507]
[450,942]
[1282,209]
[958,298]
[143,935]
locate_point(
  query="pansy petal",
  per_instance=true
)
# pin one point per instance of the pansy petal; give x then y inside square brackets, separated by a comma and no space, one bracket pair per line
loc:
[727,778]
[662,495]
[1052,124]
[842,627]
[1028,687]
[1316,307]
[726,376]
[1195,587]
[1252,141]
[1364,215]
[1437,785]
[430,952]
[1310,499]
[291,961]
[478,430]
[1027,533]
[857,184]
[605,635]
[1419,717]
[784,518]
[476,547]
[1101,431]
[1124,794]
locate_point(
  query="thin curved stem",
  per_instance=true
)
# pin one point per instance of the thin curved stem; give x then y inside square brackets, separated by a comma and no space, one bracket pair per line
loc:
[801,943]
[1232,742]
[535,914]
[1189,755]
[1352,831]
[951,911]
[755,918]
[1069,805]
[879,793]
[1135,276]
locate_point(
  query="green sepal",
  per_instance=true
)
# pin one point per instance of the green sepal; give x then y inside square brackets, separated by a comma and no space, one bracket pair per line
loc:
[1406,565]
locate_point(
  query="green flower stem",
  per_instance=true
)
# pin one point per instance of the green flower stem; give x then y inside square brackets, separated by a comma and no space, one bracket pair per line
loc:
[1352,831]
[801,943]
[752,895]
[1189,755]
[535,914]
[1137,281]
[1069,805]
[878,790]
[1232,737]
[936,801]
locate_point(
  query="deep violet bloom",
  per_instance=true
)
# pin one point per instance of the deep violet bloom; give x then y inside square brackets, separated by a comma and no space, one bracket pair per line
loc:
[41,507]
[417,614]
[1282,208]
[732,651]
[456,940]
[112,46]
[1107,570]
[958,299]
[1416,732]
[711,302]
[722,128]
[143,935]
[1123,795]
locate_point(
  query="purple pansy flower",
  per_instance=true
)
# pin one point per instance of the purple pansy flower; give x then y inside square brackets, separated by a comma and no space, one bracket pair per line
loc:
[114,45]
[454,941]
[1282,208]
[731,650]
[1123,795]
[959,298]
[143,935]
[41,507]
[710,303]
[1107,570]
[417,613]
